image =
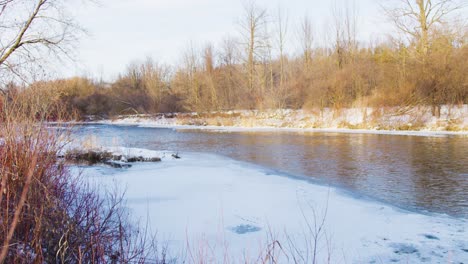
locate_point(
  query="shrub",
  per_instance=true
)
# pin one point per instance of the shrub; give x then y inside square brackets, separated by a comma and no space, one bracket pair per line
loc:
[49,215]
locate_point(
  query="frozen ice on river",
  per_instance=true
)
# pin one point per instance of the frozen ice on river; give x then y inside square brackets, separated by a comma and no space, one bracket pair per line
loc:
[205,200]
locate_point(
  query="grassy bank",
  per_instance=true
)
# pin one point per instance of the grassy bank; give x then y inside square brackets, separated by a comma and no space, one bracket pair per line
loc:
[451,119]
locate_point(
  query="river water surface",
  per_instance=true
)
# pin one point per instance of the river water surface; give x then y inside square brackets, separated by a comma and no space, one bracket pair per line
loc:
[423,174]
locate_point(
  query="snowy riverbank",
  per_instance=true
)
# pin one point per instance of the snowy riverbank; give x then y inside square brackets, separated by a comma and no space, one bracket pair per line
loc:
[212,207]
[415,121]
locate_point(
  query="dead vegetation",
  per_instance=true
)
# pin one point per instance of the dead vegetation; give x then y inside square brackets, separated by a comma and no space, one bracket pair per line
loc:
[424,66]
[47,214]
[92,157]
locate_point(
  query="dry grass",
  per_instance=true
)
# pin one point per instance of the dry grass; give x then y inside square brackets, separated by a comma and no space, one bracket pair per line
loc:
[49,215]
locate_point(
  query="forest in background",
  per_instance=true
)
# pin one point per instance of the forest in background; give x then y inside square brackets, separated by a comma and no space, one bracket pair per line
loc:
[425,64]
[48,214]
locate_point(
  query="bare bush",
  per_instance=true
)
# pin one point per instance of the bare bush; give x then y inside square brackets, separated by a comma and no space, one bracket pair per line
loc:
[49,215]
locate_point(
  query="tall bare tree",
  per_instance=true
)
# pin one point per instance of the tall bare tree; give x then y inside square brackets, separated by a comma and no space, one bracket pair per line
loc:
[345,25]
[208,58]
[416,18]
[253,36]
[32,31]
[155,78]
[306,37]
[229,61]
[188,75]
[282,33]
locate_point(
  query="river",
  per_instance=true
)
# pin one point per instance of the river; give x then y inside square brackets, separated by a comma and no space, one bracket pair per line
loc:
[416,173]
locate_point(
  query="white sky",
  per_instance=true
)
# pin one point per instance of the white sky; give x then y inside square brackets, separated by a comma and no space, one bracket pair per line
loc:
[122,31]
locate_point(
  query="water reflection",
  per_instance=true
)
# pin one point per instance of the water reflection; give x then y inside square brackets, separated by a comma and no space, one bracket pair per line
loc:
[418,173]
[437,167]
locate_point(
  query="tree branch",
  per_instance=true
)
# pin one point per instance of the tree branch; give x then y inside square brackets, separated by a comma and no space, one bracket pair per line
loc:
[24,29]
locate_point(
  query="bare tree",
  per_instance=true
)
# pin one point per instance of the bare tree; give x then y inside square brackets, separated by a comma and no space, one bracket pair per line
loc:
[191,65]
[253,34]
[155,78]
[306,36]
[417,18]
[267,62]
[228,60]
[345,25]
[339,35]
[32,31]
[28,29]
[208,58]
[282,32]
[278,48]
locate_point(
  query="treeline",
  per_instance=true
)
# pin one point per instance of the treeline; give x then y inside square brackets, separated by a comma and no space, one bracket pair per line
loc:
[256,70]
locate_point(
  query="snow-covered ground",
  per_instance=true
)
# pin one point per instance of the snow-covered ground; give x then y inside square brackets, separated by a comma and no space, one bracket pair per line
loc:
[225,211]
[453,120]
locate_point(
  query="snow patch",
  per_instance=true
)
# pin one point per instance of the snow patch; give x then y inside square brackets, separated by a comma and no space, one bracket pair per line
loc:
[214,201]
[419,121]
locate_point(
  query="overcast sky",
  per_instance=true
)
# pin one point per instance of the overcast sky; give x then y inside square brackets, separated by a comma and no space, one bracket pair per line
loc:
[122,31]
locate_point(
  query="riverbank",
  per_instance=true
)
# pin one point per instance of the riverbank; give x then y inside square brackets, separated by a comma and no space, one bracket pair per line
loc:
[418,121]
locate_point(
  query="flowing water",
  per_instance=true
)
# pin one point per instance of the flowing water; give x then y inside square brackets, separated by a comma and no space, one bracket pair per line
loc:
[424,174]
